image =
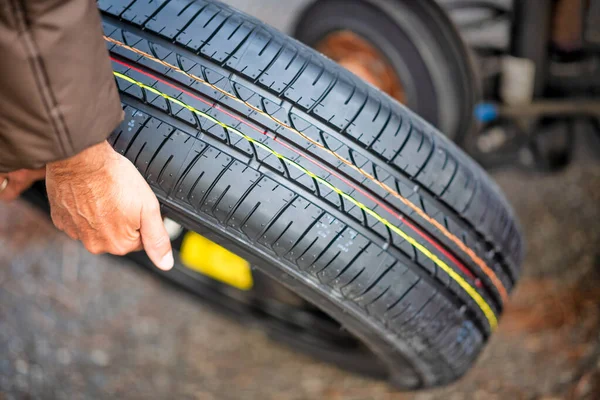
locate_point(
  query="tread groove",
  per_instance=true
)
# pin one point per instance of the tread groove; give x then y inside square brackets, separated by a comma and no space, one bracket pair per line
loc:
[242,198]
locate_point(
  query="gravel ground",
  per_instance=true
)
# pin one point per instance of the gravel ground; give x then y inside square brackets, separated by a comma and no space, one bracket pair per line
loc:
[73,325]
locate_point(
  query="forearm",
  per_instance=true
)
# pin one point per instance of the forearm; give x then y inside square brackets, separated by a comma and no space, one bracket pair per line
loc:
[57,92]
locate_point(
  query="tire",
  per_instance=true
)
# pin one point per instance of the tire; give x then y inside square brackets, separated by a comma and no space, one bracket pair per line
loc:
[318,179]
[420,41]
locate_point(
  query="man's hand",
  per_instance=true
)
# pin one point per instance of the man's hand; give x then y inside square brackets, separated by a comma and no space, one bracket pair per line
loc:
[100,198]
[14,183]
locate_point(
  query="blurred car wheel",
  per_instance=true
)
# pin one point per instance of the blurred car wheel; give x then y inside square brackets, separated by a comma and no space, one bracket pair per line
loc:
[408,49]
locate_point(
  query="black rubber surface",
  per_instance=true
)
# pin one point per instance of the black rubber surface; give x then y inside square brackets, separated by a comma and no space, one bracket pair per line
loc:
[413,314]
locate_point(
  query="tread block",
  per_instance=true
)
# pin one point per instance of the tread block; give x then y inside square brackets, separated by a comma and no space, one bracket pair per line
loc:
[315,240]
[172,18]
[141,10]
[341,104]
[394,135]
[371,283]
[168,161]
[254,56]
[291,225]
[264,202]
[415,153]
[397,280]
[284,69]
[229,190]
[394,294]
[113,7]
[133,121]
[151,137]
[310,85]
[338,266]
[370,121]
[203,27]
[200,177]
[227,39]
[411,304]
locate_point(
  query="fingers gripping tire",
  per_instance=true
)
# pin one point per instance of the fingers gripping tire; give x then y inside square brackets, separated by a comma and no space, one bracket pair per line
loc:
[317,178]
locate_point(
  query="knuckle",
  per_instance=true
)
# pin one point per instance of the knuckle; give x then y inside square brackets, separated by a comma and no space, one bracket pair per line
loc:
[121,250]
[94,247]
[58,224]
[72,234]
[118,251]
[96,251]
[122,245]
[131,235]
[56,219]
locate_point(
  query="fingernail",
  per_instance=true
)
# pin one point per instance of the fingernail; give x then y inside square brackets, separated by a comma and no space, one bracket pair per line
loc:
[167,262]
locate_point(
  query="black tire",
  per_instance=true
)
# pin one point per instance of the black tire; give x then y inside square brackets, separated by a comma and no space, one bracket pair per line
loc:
[421,42]
[359,205]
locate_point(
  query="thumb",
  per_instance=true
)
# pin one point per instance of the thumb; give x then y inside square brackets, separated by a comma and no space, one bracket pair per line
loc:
[155,238]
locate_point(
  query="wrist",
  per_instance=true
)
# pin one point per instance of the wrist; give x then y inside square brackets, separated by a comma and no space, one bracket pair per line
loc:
[88,161]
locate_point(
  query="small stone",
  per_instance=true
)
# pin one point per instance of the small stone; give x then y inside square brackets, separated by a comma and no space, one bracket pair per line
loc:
[100,358]
[22,367]
[63,356]
[21,382]
[37,374]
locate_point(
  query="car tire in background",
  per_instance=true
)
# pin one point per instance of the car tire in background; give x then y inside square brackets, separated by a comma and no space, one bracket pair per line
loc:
[409,49]
[316,178]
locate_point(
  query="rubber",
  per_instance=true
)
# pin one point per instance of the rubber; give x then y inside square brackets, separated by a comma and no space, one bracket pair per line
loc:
[318,179]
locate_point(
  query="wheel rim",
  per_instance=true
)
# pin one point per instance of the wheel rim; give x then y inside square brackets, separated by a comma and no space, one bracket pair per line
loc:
[362,58]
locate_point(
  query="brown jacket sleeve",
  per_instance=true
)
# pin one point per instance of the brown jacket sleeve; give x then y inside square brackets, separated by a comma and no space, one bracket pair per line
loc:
[57,91]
